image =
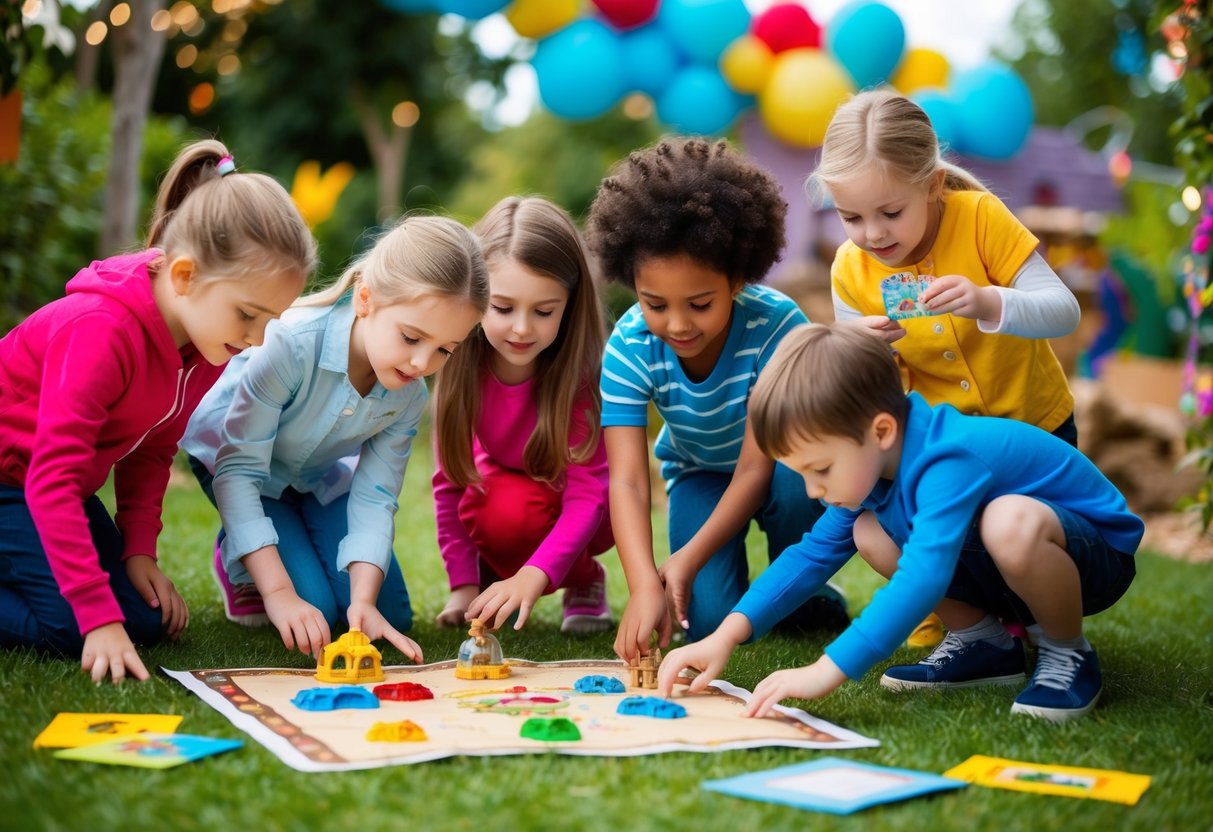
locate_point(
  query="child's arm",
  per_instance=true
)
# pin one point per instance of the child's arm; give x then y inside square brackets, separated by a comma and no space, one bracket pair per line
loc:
[365,582]
[820,678]
[646,611]
[459,554]
[299,624]
[108,650]
[708,656]
[1038,306]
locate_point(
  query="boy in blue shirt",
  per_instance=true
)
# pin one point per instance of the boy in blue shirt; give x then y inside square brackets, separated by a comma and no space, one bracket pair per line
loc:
[992,516]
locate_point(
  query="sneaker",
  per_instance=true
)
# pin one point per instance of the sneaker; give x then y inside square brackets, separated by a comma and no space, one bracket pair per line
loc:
[241,602]
[585,607]
[955,664]
[927,634]
[1066,684]
[824,612]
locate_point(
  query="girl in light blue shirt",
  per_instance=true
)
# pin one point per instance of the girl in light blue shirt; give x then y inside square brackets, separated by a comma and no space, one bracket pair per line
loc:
[303,442]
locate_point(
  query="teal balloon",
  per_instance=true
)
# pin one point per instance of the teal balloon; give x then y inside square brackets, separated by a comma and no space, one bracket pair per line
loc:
[471,9]
[700,101]
[942,111]
[649,59]
[580,70]
[868,39]
[701,29]
[994,111]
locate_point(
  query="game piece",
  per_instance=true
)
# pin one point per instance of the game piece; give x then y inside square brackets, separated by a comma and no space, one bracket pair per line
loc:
[832,785]
[150,750]
[1064,781]
[351,658]
[902,295]
[642,671]
[550,729]
[403,731]
[598,684]
[650,706]
[480,656]
[403,692]
[70,730]
[333,699]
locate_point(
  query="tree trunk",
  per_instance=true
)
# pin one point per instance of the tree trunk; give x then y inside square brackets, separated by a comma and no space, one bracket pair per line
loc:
[87,55]
[389,152]
[137,51]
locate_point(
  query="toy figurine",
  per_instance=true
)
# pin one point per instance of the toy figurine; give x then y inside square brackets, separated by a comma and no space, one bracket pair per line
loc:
[480,656]
[350,659]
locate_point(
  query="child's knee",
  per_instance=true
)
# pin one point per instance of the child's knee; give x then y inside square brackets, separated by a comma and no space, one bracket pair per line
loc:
[1014,528]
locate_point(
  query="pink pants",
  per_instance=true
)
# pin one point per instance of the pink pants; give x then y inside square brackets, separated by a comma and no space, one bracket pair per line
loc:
[508,515]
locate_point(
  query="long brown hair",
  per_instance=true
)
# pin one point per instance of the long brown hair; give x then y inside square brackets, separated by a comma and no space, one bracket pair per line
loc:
[540,236]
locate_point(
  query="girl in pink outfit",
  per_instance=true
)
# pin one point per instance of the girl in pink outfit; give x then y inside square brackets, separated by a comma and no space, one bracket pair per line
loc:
[106,379]
[521,485]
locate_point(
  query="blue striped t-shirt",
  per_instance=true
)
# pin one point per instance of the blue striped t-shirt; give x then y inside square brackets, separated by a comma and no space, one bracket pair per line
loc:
[704,420]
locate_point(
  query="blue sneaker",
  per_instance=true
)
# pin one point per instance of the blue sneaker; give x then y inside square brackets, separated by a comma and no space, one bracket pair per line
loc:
[955,664]
[1066,685]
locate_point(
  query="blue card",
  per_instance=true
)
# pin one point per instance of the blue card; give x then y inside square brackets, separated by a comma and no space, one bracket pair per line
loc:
[832,784]
[150,750]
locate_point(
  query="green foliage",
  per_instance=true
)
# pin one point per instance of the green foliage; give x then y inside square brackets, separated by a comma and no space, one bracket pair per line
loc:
[1194,127]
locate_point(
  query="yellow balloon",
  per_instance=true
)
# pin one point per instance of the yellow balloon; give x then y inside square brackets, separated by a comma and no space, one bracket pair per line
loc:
[746,64]
[921,68]
[316,195]
[539,18]
[799,99]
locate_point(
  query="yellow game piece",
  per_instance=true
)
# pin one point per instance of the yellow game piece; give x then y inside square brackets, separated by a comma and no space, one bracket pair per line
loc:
[403,731]
[350,659]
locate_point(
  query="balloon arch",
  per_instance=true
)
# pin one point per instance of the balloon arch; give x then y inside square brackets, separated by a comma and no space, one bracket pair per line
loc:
[704,62]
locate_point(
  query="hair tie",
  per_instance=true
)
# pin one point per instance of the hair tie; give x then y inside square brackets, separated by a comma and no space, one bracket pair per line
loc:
[225,165]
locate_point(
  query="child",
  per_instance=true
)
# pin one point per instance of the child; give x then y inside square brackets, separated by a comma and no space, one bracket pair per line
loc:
[521,485]
[991,301]
[1054,539]
[693,227]
[302,445]
[106,378]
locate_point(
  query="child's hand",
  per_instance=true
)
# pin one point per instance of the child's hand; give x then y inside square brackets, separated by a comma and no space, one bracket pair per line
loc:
[500,600]
[158,592]
[108,651]
[882,326]
[812,682]
[368,619]
[299,623]
[452,614]
[960,296]
[677,577]
[645,614]
[708,656]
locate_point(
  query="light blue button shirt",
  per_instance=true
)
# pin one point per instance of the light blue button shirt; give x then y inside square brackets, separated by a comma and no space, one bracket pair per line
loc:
[286,415]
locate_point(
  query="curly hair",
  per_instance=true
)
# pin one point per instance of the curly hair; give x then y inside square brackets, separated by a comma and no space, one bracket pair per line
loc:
[688,196]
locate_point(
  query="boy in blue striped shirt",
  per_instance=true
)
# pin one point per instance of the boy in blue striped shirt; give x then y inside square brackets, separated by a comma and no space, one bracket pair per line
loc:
[692,228]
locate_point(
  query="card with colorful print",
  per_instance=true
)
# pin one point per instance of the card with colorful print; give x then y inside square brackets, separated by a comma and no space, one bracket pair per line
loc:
[150,750]
[71,730]
[1065,781]
[902,294]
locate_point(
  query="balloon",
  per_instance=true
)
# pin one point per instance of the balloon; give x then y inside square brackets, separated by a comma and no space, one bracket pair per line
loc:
[994,109]
[867,39]
[471,9]
[649,59]
[800,97]
[699,100]
[747,64]
[580,70]
[920,68]
[941,109]
[703,28]
[539,18]
[412,6]
[627,14]
[786,26]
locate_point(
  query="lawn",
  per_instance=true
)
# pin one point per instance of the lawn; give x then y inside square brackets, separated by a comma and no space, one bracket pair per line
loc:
[1156,718]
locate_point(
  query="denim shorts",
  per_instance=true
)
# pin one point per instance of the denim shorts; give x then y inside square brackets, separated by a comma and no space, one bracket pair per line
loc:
[1104,572]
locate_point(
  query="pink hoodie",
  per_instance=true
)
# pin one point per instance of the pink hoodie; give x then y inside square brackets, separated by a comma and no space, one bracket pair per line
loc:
[91,382]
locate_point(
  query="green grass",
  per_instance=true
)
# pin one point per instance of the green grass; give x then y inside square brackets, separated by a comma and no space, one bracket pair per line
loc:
[1156,718]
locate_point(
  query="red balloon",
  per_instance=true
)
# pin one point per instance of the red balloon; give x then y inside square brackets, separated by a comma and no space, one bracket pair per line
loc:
[627,14]
[786,26]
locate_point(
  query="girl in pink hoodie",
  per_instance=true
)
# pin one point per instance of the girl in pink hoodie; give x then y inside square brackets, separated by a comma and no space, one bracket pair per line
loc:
[105,379]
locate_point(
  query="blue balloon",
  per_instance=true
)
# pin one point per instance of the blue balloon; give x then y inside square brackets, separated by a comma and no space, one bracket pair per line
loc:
[868,40]
[649,59]
[412,6]
[942,111]
[994,111]
[580,70]
[702,29]
[699,100]
[471,9]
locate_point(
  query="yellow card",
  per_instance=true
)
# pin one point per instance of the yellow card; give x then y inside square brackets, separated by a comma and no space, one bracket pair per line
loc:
[76,730]
[1067,781]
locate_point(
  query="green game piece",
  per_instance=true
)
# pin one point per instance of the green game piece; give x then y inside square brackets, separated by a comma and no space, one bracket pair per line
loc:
[555,729]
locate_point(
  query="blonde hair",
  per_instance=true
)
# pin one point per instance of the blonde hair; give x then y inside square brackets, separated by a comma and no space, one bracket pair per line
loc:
[882,129]
[541,237]
[824,380]
[420,256]
[231,226]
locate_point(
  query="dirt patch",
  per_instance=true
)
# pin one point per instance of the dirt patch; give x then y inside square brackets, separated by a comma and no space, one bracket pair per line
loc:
[1178,535]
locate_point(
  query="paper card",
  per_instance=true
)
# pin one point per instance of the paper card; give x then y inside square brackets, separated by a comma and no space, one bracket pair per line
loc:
[69,730]
[902,294]
[150,750]
[1066,781]
[832,784]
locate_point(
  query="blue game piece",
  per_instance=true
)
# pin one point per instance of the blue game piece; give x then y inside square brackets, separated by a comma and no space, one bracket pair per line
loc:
[650,706]
[332,699]
[598,684]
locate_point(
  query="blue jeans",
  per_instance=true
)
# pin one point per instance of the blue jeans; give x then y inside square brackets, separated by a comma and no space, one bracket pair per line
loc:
[309,535]
[33,613]
[786,515]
